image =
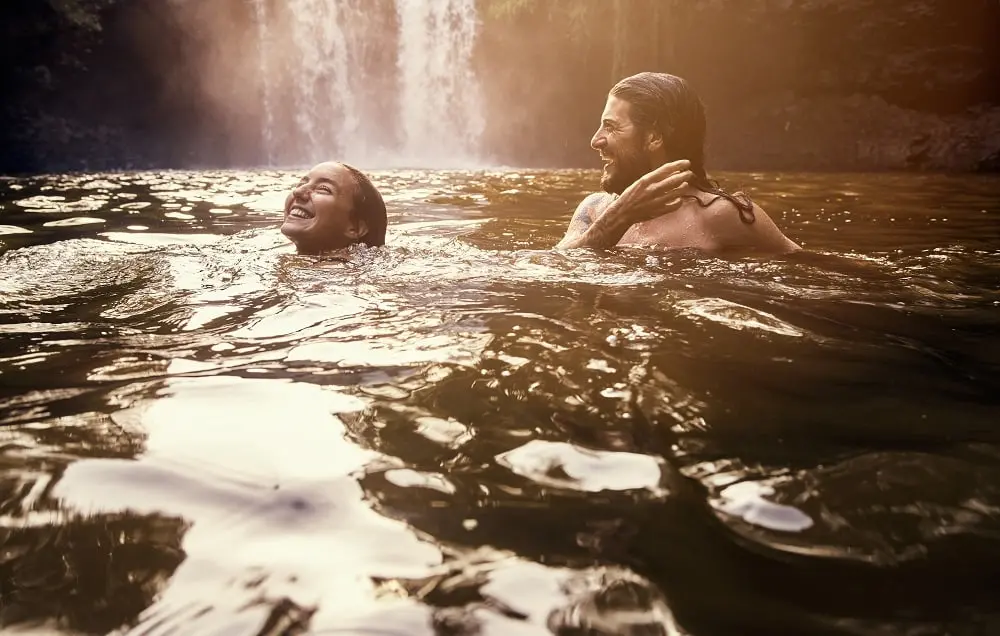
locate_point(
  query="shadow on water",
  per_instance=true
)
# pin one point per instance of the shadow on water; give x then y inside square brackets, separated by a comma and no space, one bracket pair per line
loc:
[468,433]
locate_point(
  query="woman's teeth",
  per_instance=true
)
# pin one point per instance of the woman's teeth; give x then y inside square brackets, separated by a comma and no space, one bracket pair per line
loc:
[299,213]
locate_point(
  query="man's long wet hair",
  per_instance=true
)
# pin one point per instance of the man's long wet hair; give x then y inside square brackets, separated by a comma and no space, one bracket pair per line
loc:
[369,207]
[667,104]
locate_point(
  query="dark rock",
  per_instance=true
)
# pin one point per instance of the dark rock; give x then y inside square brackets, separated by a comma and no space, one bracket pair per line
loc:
[809,85]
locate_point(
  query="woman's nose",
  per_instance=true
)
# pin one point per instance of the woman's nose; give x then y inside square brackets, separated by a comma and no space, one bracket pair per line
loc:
[301,192]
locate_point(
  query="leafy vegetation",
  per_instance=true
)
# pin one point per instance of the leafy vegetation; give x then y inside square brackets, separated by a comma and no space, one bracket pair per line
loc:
[113,83]
[42,42]
[634,33]
[576,16]
[39,39]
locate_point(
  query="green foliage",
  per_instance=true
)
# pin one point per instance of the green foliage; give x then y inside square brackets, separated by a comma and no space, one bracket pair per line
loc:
[508,9]
[576,18]
[82,14]
[37,38]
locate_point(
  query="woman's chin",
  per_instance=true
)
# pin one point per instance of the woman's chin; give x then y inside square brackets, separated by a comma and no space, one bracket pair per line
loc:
[299,232]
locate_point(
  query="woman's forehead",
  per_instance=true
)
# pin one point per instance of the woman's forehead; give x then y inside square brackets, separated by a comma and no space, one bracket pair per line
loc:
[328,169]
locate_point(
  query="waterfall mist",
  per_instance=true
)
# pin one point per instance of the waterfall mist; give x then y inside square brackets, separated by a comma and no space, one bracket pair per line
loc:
[379,83]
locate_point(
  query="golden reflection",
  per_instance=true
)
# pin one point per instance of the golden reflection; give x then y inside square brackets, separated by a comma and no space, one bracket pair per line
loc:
[471,388]
[263,472]
[13,229]
[737,316]
[74,221]
[562,465]
[42,203]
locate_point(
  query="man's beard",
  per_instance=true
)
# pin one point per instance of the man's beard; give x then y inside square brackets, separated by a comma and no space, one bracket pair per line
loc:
[626,169]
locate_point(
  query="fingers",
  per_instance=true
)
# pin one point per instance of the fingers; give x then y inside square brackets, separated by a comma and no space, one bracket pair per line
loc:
[657,181]
[664,204]
[656,175]
[675,181]
[668,188]
[657,192]
[673,204]
[669,202]
[653,197]
[669,168]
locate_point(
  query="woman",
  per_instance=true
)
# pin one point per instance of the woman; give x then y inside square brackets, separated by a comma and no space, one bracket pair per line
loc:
[334,206]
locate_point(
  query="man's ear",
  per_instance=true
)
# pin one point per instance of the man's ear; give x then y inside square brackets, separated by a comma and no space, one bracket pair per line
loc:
[357,230]
[654,140]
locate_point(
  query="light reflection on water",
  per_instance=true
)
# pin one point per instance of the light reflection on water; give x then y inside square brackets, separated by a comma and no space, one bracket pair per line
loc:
[467,432]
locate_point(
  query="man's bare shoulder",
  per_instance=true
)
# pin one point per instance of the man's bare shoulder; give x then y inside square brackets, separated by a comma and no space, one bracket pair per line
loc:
[729,229]
[589,209]
[596,201]
[721,212]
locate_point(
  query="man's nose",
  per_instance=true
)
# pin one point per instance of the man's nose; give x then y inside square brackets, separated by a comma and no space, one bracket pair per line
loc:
[598,141]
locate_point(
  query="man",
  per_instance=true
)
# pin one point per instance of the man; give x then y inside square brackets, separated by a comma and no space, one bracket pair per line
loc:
[656,191]
[334,206]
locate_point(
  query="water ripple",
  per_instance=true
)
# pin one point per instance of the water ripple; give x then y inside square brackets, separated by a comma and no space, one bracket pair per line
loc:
[468,432]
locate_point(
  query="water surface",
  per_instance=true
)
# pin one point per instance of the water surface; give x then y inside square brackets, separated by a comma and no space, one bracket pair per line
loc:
[467,432]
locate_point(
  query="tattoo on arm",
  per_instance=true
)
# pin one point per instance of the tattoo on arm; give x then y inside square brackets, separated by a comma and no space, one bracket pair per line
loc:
[581,219]
[588,228]
[578,224]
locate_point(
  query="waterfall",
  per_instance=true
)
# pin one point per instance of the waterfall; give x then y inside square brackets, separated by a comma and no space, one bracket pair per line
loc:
[260,16]
[439,98]
[374,82]
[322,86]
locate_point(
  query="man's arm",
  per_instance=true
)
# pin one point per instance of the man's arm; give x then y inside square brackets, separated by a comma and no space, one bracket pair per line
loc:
[601,220]
[580,233]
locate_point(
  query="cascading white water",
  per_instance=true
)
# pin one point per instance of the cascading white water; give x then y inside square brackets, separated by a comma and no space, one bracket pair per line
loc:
[440,111]
[260,15]
[374,82]
[323,90]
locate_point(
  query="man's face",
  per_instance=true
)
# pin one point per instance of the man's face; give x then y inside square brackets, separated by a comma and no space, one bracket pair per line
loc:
[318,211]
[622,147]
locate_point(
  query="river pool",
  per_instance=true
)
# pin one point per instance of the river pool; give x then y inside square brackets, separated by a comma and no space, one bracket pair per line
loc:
[467,432]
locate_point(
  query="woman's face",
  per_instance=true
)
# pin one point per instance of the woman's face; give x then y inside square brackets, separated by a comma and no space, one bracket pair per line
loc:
[319,211]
